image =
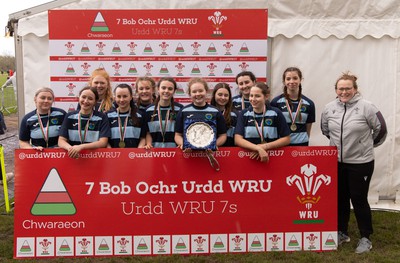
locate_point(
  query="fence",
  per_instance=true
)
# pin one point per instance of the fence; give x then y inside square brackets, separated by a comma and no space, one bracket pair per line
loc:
[8,101]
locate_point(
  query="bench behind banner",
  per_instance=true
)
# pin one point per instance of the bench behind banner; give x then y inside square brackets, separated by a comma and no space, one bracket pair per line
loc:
[118,202]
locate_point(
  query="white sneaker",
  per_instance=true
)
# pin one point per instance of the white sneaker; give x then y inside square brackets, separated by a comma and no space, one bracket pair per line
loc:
[343,238]
[364,245]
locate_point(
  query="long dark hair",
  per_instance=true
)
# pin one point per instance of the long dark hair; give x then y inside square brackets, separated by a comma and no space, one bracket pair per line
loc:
[228,106]
[92,89]
[291,69]
[285,93]
[135,119]
[157,101]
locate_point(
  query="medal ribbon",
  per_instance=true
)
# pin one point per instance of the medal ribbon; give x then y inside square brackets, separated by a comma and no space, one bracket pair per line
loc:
[163,128]
[260,130]
[80,128]
[297,112]
[243,107]
[122,129]
[45,130]
[214,163]
[102,106]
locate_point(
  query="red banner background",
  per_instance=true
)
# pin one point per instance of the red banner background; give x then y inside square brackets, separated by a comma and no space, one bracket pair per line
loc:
[164,192]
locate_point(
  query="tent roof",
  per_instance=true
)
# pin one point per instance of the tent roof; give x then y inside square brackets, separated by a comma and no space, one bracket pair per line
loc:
[307,18]
[339,18]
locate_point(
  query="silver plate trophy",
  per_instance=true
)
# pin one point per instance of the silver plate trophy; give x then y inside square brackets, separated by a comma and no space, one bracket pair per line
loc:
[200,135]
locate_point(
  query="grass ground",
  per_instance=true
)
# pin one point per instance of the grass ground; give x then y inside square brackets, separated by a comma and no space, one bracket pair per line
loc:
[8,104]
[386,247]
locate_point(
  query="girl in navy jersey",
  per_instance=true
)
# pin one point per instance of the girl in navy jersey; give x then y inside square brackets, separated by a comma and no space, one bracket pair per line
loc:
[199,110]
[261,127]
[160,117]
[222,99]
[245,80]
[299,111]
[145,91]
[86,128]
[100,80]
[40,128]
[126,122]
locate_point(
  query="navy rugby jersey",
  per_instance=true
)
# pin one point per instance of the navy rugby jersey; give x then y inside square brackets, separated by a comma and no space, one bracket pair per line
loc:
[230,133]
[153,125]
[275,126]
[98,127]
[30,129]
[132,133]
[237,103]
[299,137]
[196,113]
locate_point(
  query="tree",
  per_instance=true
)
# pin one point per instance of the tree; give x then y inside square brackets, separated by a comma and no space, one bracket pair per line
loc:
[7,62]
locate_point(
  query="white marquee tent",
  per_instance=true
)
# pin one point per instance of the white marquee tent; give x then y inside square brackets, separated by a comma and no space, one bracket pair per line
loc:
[323,38]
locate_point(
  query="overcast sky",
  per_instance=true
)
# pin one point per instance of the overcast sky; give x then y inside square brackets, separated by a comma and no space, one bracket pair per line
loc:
[7,44]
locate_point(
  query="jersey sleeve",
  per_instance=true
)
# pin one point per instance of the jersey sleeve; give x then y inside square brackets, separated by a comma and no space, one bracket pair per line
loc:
[179,122]
[24,132]
[221,126]
[239,129]
[283,128]
[105,130]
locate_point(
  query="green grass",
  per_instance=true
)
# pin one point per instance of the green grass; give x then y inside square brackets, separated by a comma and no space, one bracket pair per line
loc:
[386,247]
[10,104]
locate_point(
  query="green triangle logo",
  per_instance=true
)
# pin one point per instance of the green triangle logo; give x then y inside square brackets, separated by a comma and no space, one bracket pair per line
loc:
[99,24]
[53,198]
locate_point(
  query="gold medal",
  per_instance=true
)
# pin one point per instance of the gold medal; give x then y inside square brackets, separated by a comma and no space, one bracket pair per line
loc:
[293,127]
[121,144]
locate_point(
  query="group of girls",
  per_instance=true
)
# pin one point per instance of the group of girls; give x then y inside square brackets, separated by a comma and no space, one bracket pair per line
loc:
[103,119]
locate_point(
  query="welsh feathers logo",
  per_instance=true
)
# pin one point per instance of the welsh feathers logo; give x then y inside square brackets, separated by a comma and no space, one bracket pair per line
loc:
[308,184]
[99,24]
[217,18]
[53,198]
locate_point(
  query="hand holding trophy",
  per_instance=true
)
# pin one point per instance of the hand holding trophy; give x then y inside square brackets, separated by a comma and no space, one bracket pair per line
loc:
[200,126]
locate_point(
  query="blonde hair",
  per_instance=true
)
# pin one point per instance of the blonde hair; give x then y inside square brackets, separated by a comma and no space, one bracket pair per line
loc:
[197,80]
[44,89]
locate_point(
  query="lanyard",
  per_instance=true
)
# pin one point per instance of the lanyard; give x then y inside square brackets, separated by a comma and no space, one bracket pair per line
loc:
[293,126]
[260,130]
[82,137]
[45,130]
[122,129]
[163,126]
[243,104]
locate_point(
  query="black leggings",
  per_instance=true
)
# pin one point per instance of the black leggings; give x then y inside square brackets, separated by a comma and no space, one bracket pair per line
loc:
[353,184]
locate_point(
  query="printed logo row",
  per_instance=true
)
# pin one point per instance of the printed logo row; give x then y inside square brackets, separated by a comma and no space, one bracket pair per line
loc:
[175,244]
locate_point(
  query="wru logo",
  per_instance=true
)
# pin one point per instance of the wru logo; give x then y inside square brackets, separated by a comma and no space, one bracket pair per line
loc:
[308,184]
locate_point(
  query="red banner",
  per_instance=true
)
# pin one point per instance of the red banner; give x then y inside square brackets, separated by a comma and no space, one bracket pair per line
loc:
[214,44]
[114,202]
[156,24]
